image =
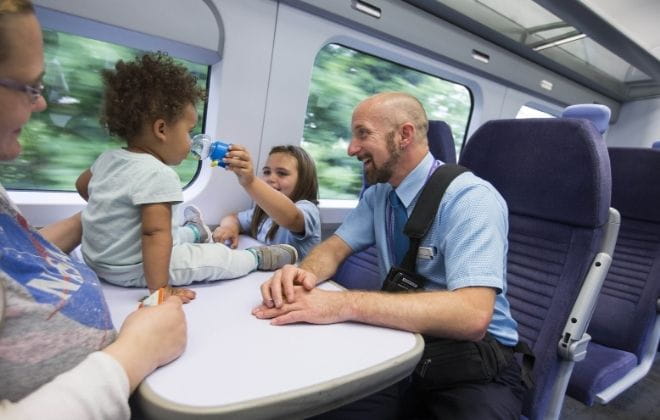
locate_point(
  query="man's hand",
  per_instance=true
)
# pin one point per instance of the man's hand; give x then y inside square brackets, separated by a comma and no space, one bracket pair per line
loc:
[315,306]
[281,285]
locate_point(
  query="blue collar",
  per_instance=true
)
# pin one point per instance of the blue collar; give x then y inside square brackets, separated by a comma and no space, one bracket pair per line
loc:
[415,180]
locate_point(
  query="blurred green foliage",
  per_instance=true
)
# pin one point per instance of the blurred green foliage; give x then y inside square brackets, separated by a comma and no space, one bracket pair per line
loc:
[343,77]
[64,140]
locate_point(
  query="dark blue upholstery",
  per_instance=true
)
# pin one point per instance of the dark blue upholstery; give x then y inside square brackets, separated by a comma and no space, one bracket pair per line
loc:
[572,187]
[599,115]
[360,270]
[555,177]
[656,145]
[626,311]
[588,376]
[441,141]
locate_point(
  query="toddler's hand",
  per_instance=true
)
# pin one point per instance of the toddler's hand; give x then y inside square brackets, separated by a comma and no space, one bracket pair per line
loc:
[186,295]
[238,161]
[223,234]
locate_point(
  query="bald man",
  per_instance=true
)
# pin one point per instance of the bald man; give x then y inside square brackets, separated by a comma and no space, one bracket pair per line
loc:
[464,303]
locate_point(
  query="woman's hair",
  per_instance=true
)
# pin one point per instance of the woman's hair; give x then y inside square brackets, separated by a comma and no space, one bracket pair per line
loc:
[307,187]
[7,9]
[141,91]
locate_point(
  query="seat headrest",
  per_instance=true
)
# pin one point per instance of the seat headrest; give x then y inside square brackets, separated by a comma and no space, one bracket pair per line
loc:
[598,114]
[636,182]
[656,145]
[441,141]
[554,169]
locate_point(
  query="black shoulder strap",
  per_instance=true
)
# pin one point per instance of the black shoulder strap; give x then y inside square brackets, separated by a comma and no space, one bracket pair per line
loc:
[426,208]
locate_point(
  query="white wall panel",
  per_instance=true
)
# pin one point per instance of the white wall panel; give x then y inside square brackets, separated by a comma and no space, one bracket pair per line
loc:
[638,125]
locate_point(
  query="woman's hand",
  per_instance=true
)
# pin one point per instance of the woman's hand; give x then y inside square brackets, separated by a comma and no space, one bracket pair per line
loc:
[150,337]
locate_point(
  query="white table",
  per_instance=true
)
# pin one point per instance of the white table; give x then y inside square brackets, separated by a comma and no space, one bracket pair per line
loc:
[238,366]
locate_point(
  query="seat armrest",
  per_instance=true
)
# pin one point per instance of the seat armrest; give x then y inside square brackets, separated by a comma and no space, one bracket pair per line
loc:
[583,309]
[576,350]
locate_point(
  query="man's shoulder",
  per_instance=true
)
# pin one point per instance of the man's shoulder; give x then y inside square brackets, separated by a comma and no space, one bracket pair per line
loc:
[470,181]
[376,191]
[470,189]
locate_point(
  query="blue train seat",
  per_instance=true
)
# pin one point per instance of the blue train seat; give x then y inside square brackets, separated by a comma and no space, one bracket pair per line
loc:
[598,114]
[360,270]
[441,141]
[625,328]
[555,177]
[656,145]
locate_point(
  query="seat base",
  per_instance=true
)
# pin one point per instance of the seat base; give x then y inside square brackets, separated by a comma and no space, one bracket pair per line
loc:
[602,367]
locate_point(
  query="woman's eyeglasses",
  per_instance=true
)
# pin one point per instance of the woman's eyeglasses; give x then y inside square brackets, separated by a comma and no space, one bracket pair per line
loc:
[33,92]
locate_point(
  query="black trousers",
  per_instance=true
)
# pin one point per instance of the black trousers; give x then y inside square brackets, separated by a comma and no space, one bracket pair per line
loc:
[499,399]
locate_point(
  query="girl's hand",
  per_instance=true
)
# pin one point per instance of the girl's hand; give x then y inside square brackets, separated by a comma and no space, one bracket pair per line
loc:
[225,234]
[239,162]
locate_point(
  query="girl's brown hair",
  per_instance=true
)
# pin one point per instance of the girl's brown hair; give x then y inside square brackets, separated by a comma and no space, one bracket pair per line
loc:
[307,187]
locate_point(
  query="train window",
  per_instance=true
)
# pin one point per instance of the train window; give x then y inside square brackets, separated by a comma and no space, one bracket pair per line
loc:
[527,111]
[341,78]
[65,139]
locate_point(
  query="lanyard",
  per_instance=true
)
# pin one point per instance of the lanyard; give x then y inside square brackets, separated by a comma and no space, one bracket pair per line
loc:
[389,214]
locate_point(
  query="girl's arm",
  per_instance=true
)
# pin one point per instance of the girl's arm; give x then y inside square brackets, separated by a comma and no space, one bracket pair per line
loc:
[277,205]
[228,230]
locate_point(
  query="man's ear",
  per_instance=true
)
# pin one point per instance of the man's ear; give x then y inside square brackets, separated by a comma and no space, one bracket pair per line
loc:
[159,128]
[407,131]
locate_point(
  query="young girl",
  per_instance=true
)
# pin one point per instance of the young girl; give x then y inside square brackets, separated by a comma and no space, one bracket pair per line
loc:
[129,237]
[286,199]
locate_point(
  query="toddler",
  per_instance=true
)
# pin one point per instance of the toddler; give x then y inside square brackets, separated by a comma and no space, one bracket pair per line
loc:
[129,237]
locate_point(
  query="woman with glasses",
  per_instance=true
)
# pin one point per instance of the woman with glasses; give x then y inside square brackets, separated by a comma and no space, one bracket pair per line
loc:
[60,357]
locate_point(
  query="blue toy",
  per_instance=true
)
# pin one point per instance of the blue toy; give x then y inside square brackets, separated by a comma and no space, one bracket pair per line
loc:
[204,147]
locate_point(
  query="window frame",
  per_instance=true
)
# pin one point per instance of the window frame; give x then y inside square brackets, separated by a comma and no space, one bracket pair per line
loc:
[65,203]
[334,209]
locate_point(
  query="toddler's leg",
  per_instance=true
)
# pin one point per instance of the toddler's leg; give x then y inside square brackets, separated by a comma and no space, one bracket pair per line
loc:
[199,262]
[193,220]
[272,257]
[186,235]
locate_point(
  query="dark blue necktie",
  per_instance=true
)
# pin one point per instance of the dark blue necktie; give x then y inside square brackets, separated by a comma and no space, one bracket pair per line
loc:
[399,239]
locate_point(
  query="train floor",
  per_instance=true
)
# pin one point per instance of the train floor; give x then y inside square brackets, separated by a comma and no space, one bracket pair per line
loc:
[639,402]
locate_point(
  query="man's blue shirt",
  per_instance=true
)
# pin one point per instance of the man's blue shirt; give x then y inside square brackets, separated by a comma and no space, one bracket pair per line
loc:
[466,245]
